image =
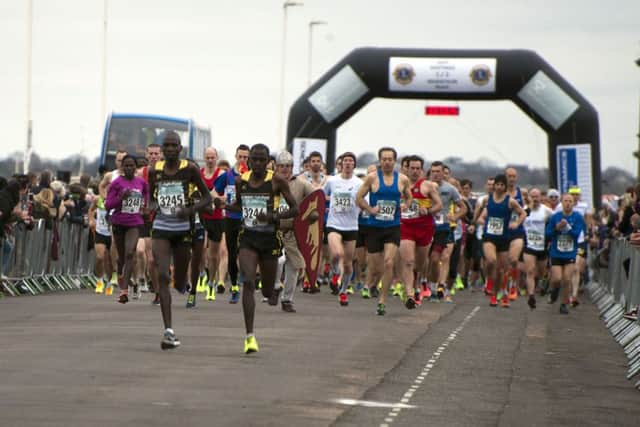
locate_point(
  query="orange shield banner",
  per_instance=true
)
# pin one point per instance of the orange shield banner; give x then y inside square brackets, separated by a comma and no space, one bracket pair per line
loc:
[309,236]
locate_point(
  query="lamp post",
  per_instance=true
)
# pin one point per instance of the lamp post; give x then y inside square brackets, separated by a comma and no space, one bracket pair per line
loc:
[103,102]
[285,6]
[637,153]
[28,148]
[309,63]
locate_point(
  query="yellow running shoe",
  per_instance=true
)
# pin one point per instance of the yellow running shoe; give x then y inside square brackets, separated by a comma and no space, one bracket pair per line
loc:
[99,286]
[109,290]
[250,345]
[211,293]
[397,290]
[350,290]
[458,284]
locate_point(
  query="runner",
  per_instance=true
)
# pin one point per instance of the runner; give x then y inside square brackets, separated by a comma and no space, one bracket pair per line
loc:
[582,208]
[197,251]
[472,246]
[214,224]
[563,230]
[102,244]
[144,257]
[363,274]
[342,224]
[126,196]
[171,233]
[499,207]
[260,239]
[417,228]
[385,187]
[443,240]
[294,262]
[516,237]
[535,250]
[226,185]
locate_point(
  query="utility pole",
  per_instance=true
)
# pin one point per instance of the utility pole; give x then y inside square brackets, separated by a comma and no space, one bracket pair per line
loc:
[637,153]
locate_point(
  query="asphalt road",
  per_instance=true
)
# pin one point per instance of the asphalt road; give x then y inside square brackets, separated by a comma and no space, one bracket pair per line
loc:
[79,359]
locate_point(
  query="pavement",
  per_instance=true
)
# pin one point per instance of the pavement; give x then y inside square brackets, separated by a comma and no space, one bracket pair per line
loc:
[80,359]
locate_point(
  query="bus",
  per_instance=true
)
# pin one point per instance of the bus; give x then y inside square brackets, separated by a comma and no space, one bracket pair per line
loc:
[133,132]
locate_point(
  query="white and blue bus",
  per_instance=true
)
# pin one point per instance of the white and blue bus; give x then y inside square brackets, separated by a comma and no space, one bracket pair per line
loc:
[132,132]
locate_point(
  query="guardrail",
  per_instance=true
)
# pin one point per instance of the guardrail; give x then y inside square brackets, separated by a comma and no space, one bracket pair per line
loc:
[616,293]
[46,260]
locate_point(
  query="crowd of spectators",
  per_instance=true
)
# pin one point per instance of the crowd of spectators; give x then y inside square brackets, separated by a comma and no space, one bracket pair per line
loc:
[26,199]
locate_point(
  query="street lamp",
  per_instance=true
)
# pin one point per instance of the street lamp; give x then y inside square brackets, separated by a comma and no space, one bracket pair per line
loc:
[285,5]
[637,153]
[27,151]
[309,67]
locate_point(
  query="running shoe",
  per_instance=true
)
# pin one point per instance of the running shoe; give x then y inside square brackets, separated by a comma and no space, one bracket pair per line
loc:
[426,292]
[440,291]
[458,284]
[211,293]
[493,301]
[523,292]
[532,302]
[343,299]
[359,286]
[416,297]
[513,293]
[136,289]
[488,288]
[448,299]
[221,288]
[287,306]
[305,287]
[574,302]
[380,310]
[191,301]
[365,293]
[334,284]
[452,291]
[410,303]
[109,290]
[374,292]
[156,300]
[123,298]
[259,286]
[350,290]
[504,302]
[396,290]
[275,296]
[553,295]
[99,286]
[235,294]
[169,340]
[314,289]
[564,309]
[250,345]
[202,284]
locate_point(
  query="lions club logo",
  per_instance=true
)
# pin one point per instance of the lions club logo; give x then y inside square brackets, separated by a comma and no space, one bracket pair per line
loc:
[404,74]
[480,75]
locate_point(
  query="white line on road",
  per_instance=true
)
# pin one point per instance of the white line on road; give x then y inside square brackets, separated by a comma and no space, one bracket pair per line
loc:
[373,404]
[421,376]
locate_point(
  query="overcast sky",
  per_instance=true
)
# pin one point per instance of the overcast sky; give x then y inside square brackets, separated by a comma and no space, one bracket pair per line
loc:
[219,63]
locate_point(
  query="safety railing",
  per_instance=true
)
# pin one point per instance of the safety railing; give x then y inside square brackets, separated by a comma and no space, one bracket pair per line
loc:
[46,259]
[616,292]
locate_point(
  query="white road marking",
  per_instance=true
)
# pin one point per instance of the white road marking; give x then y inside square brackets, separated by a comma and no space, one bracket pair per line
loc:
[420,378]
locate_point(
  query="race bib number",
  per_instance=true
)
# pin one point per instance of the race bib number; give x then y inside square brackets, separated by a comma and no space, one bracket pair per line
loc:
[170,197]
[535,240]
[133,203]
[387,210]
[283,206]
[197,218]
[230,194]
[102,222]
[411,211]
[252,206]
[342,202]
[495,226]
[439,218]
[565,243]
[514,217]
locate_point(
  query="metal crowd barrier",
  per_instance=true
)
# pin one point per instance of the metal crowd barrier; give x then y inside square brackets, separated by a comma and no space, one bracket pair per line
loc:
[616,293]
[30,268]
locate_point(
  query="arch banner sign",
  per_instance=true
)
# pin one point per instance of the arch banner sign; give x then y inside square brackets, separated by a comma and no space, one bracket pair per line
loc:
[520,76]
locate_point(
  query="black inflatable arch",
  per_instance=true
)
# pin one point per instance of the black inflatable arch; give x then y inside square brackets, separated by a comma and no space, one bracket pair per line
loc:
[521,76]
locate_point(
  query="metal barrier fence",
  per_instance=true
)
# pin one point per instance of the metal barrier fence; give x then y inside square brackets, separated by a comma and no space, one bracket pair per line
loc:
[46,260]
[616,293]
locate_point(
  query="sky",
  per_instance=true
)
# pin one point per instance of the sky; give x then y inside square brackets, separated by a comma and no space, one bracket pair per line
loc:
[219,63]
